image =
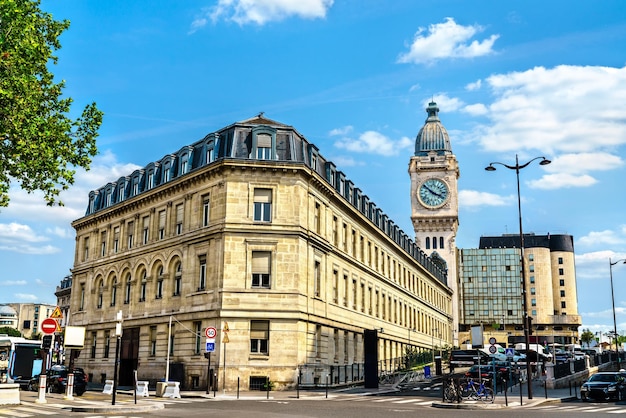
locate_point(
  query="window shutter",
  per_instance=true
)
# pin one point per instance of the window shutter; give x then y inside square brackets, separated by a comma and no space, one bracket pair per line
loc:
[263,195]
[261,262]
[259,330]
[263,141]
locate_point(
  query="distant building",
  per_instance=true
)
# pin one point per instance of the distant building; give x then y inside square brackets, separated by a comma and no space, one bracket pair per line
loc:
[63,294]
[30,316]
[8,317]
[250,231]
[491,291]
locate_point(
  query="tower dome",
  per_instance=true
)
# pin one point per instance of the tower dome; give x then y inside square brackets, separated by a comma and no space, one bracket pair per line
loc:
[433,136]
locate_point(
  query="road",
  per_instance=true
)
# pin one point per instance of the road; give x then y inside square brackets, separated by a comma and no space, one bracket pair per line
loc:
[337,405]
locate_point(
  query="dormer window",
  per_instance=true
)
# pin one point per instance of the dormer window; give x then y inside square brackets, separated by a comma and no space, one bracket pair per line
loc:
[264,147]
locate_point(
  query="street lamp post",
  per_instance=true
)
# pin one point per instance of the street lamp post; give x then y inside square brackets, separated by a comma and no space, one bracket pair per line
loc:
[611,264]
[517,167]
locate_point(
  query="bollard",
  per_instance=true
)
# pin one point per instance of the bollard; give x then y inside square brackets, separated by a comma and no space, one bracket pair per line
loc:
[237,387]
[267,387]
[215,384]
[42,389]
[545,388]
[327,382]
[506,398]
[70,387]
[521,389]
[298,387]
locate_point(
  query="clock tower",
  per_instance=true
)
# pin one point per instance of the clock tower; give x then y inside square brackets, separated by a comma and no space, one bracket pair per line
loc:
[434,173]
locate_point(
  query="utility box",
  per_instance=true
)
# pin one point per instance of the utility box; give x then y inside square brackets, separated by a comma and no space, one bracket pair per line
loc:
[438,370]
[160,389]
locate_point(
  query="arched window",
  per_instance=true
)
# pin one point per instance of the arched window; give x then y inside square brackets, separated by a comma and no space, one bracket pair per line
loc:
[127,290]
[159,283]
[178,276]
[441,242]
[113,291]
[428,243]
[434,243]
[142,286]
[100,294]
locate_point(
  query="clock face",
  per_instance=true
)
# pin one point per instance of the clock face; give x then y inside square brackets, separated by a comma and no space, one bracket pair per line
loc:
[433,193]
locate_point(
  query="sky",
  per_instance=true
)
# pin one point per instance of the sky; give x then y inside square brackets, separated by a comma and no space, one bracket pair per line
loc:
[511,78]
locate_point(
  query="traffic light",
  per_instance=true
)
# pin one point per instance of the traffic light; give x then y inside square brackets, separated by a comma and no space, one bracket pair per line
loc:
[530,325]
[47,342]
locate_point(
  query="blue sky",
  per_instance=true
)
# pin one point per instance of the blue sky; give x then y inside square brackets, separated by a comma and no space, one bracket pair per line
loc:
[354,77]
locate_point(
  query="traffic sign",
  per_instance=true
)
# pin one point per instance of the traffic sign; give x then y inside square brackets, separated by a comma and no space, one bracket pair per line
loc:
[57,313]
[210,346]
[210,332]
[492,340]
[49,326]
[510,352]
[493,349]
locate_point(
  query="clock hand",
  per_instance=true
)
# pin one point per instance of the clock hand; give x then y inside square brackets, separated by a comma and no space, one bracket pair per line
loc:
[432,191]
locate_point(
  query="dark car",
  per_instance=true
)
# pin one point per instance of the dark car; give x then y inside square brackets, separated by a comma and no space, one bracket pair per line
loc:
[56,381]
[603,386]
[466,358]
[502,369]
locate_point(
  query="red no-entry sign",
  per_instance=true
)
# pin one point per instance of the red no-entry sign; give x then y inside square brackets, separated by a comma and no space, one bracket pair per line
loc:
[49,326]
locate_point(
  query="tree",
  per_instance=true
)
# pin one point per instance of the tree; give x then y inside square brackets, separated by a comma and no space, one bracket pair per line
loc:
[586,337]
[40,146]
[11,332]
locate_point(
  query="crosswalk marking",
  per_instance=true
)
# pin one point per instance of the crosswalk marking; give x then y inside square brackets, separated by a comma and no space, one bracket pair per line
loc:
[39,410]
[404,401]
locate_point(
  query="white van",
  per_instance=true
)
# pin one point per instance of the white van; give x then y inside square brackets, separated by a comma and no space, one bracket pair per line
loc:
[535,347]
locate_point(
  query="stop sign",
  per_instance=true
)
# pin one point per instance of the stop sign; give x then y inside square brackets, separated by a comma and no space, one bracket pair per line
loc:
[49,326]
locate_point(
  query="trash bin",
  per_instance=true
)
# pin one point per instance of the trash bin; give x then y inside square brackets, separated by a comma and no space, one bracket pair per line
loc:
[427,372]
[438,370]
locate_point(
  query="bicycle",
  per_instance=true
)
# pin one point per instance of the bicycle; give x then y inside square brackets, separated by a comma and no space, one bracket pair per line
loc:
[477,391]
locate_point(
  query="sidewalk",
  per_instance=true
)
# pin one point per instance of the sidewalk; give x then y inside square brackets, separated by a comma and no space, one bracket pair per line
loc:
[512,397]
[94,401]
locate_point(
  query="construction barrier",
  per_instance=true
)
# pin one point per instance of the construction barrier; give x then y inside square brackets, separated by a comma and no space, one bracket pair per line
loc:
[142,388]
[172,390]
[108,387]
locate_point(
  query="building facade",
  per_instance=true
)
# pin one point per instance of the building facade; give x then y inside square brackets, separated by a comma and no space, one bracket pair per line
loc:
[252,232]
[491,290]
[434,173]
[30,316]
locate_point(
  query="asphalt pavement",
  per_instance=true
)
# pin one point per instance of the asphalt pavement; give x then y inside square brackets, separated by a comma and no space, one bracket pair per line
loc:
[94,401]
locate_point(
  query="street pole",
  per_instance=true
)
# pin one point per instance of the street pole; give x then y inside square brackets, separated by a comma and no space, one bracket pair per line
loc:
[167,361]
[611,264]
[118,334]
[517,167]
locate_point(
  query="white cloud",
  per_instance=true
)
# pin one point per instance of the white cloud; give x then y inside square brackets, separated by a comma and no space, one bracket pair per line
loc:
[474,86]
[14,283]
[477,109]
[341,131]
[18,232]
[450,104]
[447,40]
[589,161]
[595,238]
[341,161]
[373,142]
[565,109]
[264,11]
[561,181]
[472,199]
[594,265]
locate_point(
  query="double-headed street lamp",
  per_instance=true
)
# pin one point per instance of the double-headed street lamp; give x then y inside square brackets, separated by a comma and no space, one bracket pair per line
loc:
[517,167]
[611,264]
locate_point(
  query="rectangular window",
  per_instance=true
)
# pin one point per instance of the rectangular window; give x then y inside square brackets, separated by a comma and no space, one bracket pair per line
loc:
[131,230]
[202,275]
[259,337]
[142,291]
[335,286]
[159,288]
[94,342]
[532,290]
[531,268]
[562,293]
[562,304]
[197,325]
[161,224]
[531,257]
[334,237]
[150,184]
[86,249]
[318,278]
[532,279]
[533,302]
[103,244]
[209,155]
[107,343]
[560,260]
[146,229]
[261,269]
[116,239]
[263,205]
[206,206]
[561,282]
[153,340]
[561,272]
[316,217]
[179,219]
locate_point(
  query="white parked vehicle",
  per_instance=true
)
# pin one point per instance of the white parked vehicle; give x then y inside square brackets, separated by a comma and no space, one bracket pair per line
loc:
[500,354]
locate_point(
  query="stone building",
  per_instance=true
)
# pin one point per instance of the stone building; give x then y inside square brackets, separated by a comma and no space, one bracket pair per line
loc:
[491,291]
[252,232]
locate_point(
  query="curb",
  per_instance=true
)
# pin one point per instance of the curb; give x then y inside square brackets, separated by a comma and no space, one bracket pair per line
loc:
[117,409]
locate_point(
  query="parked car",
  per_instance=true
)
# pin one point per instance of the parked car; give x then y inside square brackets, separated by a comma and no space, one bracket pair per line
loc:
[500,354]
[56,381]
[603,386]
[502,369]
[467,358]
[563,356]
[579,355]
[536,357]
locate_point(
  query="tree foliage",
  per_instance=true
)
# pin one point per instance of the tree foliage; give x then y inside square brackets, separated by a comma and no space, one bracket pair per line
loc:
[40,146]
[587,337]
[11,332]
